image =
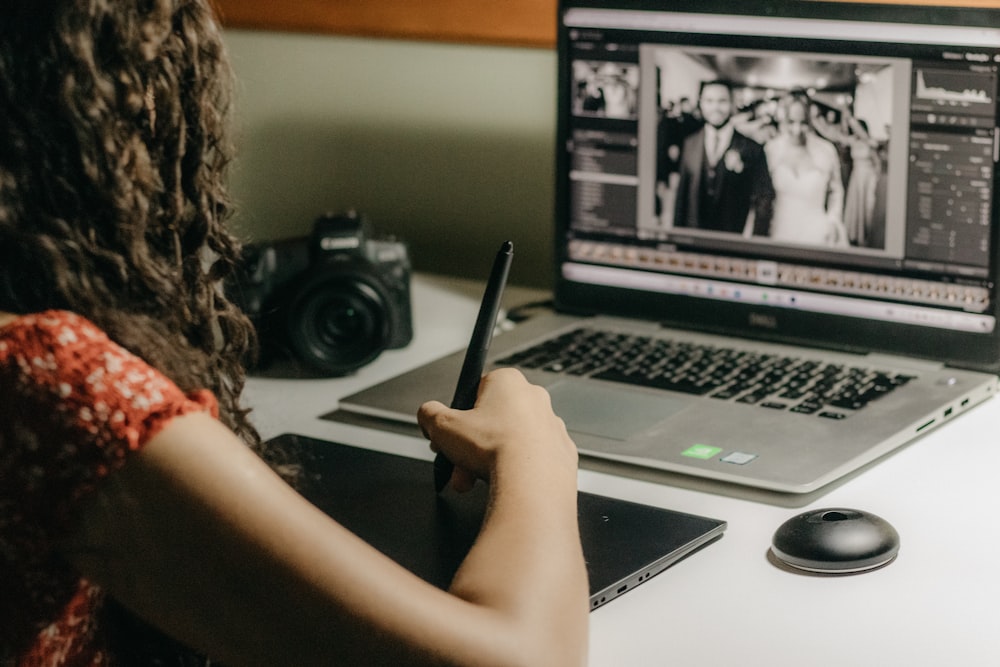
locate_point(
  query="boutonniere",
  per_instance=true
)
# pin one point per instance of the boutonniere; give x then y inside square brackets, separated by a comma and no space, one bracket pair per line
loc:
[733,161]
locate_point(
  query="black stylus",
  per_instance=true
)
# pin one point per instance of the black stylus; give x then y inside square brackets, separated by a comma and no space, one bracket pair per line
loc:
[479,346]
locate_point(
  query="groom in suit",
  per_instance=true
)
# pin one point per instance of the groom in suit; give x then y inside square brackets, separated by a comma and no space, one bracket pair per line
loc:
[724,181]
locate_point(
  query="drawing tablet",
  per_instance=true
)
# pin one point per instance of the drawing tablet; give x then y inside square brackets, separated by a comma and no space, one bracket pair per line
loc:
[389,501]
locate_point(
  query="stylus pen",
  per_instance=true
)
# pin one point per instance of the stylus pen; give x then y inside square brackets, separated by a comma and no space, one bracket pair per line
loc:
[479,346]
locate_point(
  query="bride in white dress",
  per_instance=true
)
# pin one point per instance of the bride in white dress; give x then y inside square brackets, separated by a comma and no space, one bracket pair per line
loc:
[805,171]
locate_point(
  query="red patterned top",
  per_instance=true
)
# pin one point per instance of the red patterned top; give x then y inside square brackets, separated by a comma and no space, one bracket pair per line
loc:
[73,406]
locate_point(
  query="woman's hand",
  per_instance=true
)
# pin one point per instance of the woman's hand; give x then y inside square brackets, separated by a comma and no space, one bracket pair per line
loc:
[511,425]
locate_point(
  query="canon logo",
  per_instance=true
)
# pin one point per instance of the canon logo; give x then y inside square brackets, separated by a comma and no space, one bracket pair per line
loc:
[339,242]
[763,321]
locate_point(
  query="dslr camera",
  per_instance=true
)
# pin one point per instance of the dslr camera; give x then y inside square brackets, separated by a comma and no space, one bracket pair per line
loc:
[330,302]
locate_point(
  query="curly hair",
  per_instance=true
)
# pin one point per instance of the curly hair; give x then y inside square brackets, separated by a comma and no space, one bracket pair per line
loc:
[113,156]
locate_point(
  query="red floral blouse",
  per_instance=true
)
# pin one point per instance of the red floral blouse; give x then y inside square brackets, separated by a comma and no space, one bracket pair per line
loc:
[73,407]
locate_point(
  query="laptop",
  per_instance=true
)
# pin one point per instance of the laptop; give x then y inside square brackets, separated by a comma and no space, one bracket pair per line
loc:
[389,501]
[778,327]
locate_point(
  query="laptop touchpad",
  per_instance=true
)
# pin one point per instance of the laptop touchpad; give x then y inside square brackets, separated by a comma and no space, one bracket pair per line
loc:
[610,412]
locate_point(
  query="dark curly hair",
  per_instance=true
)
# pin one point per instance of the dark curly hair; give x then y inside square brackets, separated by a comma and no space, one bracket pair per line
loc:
[113,153]
[113,156]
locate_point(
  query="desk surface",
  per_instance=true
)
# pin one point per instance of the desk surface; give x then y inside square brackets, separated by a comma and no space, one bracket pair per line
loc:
[937,604]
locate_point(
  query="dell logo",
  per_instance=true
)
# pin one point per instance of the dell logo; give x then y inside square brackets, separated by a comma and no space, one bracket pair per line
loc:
[763,321]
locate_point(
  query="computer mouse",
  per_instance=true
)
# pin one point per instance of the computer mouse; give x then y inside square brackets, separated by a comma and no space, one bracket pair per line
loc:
[836,541]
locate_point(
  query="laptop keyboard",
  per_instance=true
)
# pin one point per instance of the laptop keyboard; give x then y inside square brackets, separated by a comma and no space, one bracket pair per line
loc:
[771,381]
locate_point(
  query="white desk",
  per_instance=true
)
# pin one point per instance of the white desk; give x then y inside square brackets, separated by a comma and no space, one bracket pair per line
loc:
[937,604]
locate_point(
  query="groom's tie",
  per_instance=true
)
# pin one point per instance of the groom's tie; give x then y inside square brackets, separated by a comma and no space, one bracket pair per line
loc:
[714,153]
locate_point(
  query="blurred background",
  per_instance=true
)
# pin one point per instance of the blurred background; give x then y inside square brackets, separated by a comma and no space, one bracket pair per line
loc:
[447,146]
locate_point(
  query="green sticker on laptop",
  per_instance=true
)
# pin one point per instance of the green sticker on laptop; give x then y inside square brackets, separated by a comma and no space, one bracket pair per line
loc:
[701,451]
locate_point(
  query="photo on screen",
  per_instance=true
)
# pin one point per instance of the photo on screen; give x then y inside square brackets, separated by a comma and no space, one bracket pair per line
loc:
[832,129]
[605,89]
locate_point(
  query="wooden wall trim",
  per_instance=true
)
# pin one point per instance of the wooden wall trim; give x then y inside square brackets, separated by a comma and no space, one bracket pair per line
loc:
[506,22]
[510,22]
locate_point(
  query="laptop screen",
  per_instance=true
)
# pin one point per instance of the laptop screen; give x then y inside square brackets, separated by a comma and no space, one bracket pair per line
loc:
[817,172]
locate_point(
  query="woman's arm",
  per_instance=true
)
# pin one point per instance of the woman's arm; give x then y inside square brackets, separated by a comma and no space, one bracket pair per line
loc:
[513,440]
[828,160]
[202,539]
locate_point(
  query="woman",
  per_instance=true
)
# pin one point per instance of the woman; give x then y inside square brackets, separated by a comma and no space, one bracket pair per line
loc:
[862,185]
[136,528]
[805,171]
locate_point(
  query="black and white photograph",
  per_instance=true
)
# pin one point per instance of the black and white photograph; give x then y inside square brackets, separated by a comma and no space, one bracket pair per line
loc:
[606,89]
[788,148]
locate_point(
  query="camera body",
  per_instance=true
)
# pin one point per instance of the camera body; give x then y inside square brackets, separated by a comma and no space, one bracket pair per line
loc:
[330,302]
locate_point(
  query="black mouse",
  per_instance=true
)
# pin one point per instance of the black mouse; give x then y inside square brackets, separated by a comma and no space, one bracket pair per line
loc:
[837,541]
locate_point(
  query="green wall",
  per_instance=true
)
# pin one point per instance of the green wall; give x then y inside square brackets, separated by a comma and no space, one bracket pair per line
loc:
[447,147]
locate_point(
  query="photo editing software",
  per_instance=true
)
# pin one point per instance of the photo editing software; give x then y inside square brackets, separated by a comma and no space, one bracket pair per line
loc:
[880,142]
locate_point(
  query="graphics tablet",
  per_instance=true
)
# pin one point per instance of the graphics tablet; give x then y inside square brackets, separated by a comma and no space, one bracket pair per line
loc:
[390,502]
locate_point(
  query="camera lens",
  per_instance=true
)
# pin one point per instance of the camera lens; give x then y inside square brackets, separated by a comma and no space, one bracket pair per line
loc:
[343,322]
[338,323]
